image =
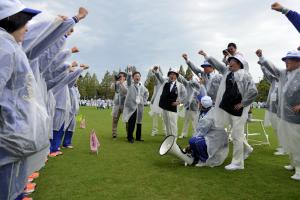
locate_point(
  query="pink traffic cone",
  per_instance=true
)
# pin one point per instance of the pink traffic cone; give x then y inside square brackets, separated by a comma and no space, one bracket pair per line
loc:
[94,142]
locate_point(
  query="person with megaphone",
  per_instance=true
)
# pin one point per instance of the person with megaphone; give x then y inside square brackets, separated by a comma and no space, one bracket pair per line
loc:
[208,147]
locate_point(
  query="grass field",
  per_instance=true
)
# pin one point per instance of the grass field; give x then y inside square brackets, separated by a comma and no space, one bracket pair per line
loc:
[137,171]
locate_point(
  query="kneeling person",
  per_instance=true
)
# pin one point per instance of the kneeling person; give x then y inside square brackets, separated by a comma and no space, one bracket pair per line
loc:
[209,146]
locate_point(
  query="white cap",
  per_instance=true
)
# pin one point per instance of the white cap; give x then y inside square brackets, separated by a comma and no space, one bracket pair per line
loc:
[11,7]
[206,64]
[238,57]
[173,70]
[206,101]
[292,55]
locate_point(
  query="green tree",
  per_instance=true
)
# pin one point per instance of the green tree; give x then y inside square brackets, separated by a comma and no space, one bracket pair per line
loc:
[263,90]
[92,85]
[82,87]
[181,71]
[150,83]
[104,89]
[188,73]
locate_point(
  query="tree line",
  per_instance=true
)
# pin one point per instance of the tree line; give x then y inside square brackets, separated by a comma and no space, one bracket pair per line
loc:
[91,88]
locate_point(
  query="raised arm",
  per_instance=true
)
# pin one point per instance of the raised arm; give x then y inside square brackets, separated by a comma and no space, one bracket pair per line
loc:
[182,80]
[158,75]
[129,78]
[60,59]
[48,38]
[222,68]
[48,56]
[195,69]
[268,66]
[293,16]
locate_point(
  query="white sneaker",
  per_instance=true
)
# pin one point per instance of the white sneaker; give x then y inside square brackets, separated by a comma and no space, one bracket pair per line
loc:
[247,154]
[296,177]
[153,134]
[279,151]
[181,137]
[232,167]
[289,167]
[200,164]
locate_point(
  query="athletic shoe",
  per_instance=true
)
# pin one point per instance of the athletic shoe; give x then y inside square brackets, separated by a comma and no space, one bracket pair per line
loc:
[30,188]
[34,175]
[181,137]
[279,152]
[53,154]
[200,164]
[289,167]
[27,198]
[296,177]
[232,167]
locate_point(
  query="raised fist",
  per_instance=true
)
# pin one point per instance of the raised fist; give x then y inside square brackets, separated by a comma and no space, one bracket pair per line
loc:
[276,6]
[201,52]
[185,56]
[74,64]
[82,13]
[259,53]
[75,50]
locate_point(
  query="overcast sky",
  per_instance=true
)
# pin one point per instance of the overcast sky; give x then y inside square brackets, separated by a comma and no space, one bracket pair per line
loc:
[144,33]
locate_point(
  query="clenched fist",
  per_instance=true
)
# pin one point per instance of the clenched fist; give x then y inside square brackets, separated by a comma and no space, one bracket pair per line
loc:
[276,6]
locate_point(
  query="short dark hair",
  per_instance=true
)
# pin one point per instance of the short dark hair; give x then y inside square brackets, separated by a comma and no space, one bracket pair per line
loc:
[134,73]
[15,22]
[231,44]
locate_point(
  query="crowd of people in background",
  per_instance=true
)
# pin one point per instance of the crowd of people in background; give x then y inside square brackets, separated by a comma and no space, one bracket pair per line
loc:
[98,103]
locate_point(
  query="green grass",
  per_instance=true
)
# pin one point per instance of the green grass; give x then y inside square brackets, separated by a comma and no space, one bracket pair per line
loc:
[137,171]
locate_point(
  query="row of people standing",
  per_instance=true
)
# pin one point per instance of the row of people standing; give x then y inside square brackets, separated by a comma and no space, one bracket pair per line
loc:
[33,76]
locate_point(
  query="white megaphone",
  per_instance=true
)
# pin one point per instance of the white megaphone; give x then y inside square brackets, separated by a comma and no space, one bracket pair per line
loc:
[169,146]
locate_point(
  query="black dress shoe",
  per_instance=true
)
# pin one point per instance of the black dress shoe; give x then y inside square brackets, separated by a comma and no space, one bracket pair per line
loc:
[140,140]
[114,136]
[131,141]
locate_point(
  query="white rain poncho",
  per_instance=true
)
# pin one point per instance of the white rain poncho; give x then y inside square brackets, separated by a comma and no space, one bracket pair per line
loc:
[157,85]
[119,98]
[212,81]
[273,99]
[244,82]
[75,97]
[181,92]
[45,32]
[24,130]
[289,121]
[136,99]
[63,101]
[192,89]
[216,140]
